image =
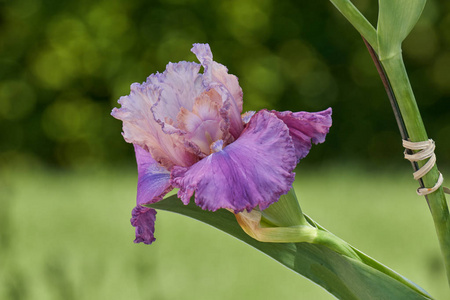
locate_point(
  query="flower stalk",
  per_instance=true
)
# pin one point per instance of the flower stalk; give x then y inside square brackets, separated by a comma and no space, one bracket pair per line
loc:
[395,21]
[411,126]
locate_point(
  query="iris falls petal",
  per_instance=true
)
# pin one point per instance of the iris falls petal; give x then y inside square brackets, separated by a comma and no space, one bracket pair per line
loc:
[254,170]
[306,127]
[153,180]
[153,184]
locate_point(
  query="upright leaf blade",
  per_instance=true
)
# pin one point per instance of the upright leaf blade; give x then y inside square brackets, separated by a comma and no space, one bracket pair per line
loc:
[396,19]
[343,277]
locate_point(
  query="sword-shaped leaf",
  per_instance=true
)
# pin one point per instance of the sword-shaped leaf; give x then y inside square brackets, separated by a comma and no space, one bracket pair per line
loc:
[343,277]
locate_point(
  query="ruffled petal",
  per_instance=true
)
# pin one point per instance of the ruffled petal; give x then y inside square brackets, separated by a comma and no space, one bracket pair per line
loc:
[153,179]
[306,127]
[204,125]
[143,219]
[216,76]
[254,170]
[180,85]
[141,128]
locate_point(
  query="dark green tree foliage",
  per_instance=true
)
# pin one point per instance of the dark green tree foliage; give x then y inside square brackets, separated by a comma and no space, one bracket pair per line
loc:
[64,64]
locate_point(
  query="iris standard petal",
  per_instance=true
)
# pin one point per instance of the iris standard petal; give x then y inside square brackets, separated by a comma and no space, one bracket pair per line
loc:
[143,219]
[204,124]
[306,127]
[153,179]
[141,128]
[227,85]
[254,170]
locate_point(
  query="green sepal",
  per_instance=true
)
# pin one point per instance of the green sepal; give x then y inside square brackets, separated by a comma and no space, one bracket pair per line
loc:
[343,277]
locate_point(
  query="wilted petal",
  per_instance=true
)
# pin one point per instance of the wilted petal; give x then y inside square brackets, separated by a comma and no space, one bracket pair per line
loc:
[216,76]
[306,127]
[254,170]
[153,180]
[143,219]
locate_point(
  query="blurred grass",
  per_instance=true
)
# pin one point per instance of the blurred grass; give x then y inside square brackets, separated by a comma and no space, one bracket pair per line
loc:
[67,236]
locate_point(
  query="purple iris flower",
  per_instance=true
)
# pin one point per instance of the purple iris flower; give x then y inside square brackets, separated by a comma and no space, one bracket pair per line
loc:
[188,133]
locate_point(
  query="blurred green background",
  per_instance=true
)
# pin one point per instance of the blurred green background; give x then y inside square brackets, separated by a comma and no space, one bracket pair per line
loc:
[67,177]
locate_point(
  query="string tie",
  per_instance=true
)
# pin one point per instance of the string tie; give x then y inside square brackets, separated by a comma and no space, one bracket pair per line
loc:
[426,152]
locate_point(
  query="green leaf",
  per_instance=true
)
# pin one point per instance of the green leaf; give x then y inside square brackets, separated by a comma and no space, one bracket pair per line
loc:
[396,19]
[343,277]
[357,19]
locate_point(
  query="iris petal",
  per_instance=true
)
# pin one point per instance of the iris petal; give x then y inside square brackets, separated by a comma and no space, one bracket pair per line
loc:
[153,184]
[306,127]
[143,219]
[153,180]
[203,125]
[254,170]
[140,126]
[227,85]
[180,85]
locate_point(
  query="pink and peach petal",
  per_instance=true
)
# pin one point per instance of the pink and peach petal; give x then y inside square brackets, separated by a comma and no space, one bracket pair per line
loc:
[202,126]
[140,127]
[180,85]
[227,85]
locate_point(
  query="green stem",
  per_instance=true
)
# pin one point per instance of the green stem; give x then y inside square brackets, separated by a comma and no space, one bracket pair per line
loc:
[354,16]
[398,78]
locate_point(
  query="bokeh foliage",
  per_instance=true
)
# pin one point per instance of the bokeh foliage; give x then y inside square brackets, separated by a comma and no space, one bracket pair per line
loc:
[63,65]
